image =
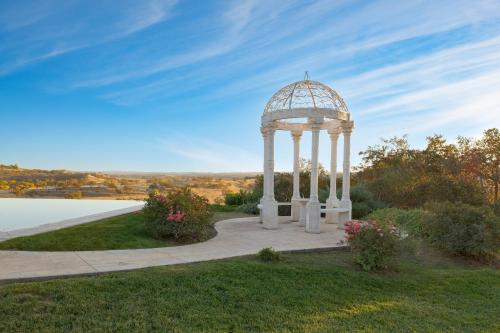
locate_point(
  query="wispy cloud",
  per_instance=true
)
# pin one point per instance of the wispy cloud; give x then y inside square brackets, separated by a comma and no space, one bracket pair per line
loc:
[228,35]
[454,86]
[430,69]
[205,154]
[325,50]
[13,16]
[35,32]
[480,111]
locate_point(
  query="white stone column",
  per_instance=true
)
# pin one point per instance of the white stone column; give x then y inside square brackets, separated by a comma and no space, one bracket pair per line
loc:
[314,163]
[264,178]
[332,200]
[296,135]
[269,205]
[270,161]
[313,206]
[345,202]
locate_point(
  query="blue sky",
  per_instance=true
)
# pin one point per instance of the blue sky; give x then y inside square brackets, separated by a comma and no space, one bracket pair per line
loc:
[170,85]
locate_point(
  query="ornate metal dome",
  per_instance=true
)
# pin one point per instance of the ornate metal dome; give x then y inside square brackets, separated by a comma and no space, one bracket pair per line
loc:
[306,94]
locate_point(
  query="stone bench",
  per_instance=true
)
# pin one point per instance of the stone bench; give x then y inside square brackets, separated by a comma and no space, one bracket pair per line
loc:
[259,206]
[338,215]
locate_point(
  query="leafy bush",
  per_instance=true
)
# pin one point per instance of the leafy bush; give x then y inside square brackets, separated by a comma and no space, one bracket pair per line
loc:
[372,243]
[240,198]
[283,182]
[408,221]
[243,201]
[360,209]
[363,201]
[179,214]
[324,194]
[269,255]
[223,208]
[249,208]
[462,229]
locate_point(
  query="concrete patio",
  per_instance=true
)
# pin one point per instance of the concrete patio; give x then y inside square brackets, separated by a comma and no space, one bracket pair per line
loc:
[236,237]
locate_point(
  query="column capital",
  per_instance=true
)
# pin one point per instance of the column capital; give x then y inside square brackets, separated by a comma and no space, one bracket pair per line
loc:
[315,127]
[334,132]
[296,135]
[270,129]
[347,127]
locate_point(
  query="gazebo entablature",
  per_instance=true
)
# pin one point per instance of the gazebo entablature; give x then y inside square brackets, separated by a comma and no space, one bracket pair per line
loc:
[309,113]
[321,108]
[291,127]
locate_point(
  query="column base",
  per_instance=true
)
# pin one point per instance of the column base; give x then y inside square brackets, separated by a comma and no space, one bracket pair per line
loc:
[260,210]
[270,218]
[303,214]
[295,209]
[346,203]
[313,217]
[331,203]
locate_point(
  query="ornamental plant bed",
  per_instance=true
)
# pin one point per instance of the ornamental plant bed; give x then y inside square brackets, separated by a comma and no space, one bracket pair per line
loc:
[373,244]
[181,215]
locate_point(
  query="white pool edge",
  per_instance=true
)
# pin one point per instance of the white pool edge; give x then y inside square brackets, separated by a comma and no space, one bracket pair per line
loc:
[66,223]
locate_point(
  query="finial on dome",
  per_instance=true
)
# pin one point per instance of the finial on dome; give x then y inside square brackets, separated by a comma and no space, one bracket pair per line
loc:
[306,76]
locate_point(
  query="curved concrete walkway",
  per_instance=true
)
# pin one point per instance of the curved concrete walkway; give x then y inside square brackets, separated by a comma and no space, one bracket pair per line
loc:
[236,237]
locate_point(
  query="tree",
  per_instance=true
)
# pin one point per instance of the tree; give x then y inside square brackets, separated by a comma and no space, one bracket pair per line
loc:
[283,182]
[490,146]
[406,177]
[74,195]
[482,159]
[4,185]
[19,188]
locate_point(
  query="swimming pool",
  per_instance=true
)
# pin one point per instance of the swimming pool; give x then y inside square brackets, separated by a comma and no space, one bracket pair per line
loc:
[29,213]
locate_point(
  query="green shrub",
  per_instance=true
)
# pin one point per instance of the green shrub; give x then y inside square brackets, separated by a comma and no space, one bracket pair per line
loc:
[372,243]
[223,208]
[408,221]
[363,201]
[323,194]
[360,209]
[249,208]
[240,198]
[179,214]
[269,255]
[461,229]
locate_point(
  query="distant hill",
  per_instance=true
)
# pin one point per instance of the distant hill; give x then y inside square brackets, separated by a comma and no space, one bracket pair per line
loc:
[14,172]
[222,175]
[21,182]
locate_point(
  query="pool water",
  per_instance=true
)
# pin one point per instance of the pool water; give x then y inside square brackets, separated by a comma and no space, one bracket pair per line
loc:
[27,213]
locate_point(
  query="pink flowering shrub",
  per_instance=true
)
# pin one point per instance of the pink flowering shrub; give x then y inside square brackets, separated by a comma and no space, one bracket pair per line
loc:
[176,217]
[179,214]
[372,243]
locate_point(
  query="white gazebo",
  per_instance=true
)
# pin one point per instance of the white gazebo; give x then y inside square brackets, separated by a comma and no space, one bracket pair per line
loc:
[307,106]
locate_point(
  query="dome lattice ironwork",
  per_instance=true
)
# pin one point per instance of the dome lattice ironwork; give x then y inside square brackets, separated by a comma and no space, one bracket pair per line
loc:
[305,94]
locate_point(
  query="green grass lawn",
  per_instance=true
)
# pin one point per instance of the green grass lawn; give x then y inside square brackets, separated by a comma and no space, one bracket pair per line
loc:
[119,232]
[315,292]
